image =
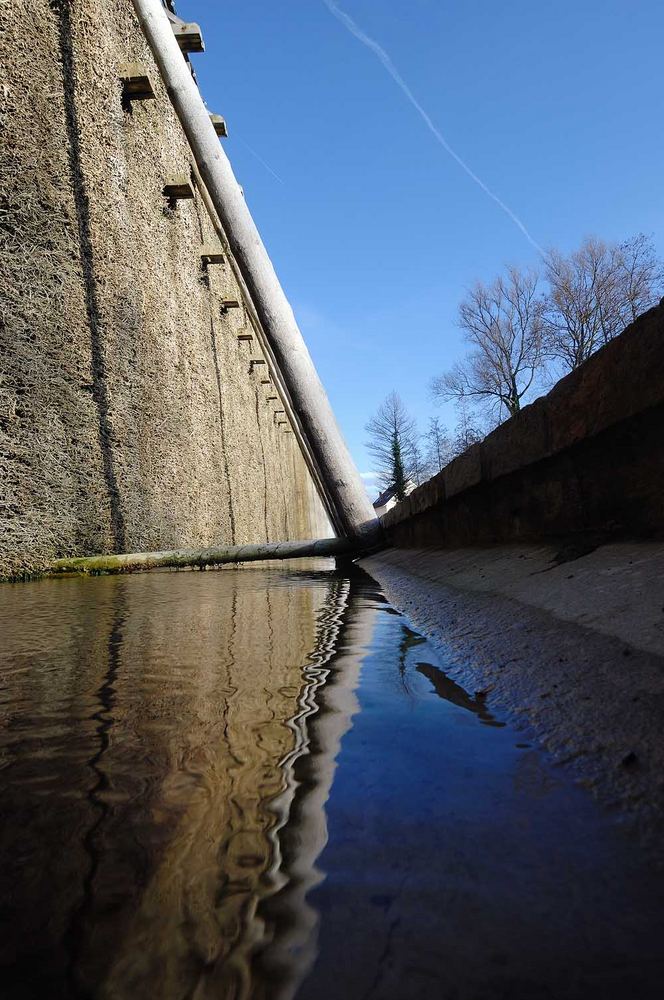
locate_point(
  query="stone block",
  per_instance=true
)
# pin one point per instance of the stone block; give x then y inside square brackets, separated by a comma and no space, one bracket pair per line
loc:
[428,494]
[518,442]
[622,379]
[400,512]
[464,471]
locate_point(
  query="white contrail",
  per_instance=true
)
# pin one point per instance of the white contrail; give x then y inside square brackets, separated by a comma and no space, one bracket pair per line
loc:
[382,55]
[259,157]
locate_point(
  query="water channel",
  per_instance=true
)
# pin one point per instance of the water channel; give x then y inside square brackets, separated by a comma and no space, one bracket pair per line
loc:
[262,784]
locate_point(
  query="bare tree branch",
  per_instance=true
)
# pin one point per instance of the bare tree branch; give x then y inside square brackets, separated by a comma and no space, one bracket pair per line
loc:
[466,433]
[438,447]
[503,325]
[595,292]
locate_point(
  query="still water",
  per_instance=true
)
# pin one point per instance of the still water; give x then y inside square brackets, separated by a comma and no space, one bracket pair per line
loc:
[261,784]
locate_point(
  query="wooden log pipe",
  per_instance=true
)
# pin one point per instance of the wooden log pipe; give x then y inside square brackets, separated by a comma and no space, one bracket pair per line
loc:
[341,480]
[200,558]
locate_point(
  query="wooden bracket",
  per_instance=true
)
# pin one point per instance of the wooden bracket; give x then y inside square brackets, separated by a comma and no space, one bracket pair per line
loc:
[188,36]
[178,188]
[229,304]
[136,82]
[253,367]
[211,255]
[219,126]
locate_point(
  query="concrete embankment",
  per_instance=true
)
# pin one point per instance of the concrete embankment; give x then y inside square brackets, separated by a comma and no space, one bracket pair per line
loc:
[535,561]
[572,652]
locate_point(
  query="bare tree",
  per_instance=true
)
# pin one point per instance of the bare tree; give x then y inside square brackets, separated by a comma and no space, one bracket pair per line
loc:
[415,461]
[392,439]
[641,277]
[438,447]
[581,304]
[466,433]
[595,292]
[503,325]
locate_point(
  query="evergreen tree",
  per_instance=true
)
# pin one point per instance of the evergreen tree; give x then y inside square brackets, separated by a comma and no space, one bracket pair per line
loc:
[398,473]
[392,422]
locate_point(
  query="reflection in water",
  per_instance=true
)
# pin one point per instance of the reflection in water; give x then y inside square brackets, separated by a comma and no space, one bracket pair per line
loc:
[152,728]
[172,786]
[409,640]
[98,793]
[284,961]
[446,688]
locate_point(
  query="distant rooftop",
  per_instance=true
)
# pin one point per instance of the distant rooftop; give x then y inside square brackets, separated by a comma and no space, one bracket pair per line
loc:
[385,496]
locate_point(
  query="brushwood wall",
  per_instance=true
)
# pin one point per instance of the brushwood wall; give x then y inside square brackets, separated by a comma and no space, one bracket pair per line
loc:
[131,415]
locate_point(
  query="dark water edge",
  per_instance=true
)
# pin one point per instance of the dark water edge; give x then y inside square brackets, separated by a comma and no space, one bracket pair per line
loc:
[262,784]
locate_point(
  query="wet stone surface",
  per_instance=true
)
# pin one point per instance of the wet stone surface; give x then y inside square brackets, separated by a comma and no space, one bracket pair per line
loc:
[263,784]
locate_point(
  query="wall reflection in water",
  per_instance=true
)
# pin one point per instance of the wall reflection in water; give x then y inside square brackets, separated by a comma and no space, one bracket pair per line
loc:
[154,792]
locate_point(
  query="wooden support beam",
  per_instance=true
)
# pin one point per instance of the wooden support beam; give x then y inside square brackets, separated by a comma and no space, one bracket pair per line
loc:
[227,304]
[188,36]
[199,558]
[211,254]
[179,188]
[136,82]
[219,124]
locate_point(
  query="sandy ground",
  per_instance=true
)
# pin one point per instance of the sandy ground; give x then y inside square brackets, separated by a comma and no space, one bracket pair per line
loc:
[570,647]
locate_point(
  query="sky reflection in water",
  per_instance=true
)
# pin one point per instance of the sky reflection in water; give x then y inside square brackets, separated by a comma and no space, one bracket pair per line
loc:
[262,784]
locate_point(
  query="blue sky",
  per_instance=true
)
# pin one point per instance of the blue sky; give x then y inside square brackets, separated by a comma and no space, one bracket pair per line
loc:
[375,231]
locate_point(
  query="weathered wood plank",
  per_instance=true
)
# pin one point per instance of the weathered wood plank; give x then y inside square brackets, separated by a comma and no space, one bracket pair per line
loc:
[211,254]
[189,37]
[227,304]
[220,127]
[178,188]
[137,84]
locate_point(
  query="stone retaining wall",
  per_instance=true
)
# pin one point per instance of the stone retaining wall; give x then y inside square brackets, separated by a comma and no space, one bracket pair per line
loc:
[585,460]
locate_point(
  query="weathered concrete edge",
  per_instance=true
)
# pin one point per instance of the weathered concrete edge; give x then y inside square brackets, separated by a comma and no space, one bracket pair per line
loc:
[591,700]
[620,381]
